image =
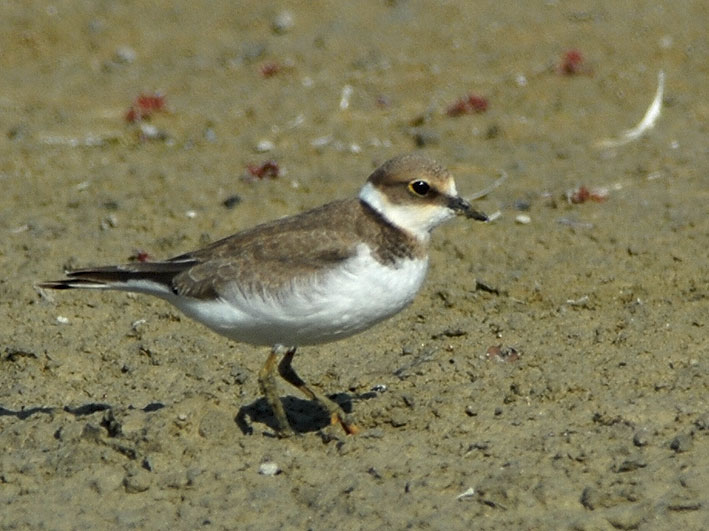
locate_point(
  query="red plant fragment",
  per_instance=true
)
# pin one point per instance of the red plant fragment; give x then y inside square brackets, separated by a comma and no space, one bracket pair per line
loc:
[583,194]
[573,63]
[139,256]
[580,195]
[268,169]
[144,106]
[471,104]
[270,69]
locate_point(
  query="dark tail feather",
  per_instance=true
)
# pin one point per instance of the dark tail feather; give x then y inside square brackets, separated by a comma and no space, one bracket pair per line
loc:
[160,273]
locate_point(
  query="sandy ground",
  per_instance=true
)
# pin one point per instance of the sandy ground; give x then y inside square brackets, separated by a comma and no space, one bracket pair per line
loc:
[117,412]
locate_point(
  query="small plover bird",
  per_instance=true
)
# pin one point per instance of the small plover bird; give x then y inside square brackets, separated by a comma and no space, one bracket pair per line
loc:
[315,277]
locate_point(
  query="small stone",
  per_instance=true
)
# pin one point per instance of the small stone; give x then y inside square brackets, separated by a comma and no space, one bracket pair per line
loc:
[231,201]
[193,475]
[702,423]
[239,374]
[640,438]
[345,97]
[105,480]
[149,131]
[124,55]
[264,146]
[629,465]
[522,204]
[269,468]
[590,498]
[283,22]
[109,222]
[173,479]
[398,419]
[629,516]
[425,137]
[681,443]
[523,219]
[210,135]
[216,424]
[408,349]
[137,481]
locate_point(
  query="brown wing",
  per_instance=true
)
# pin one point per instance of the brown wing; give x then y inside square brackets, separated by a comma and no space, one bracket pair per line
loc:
[271,255]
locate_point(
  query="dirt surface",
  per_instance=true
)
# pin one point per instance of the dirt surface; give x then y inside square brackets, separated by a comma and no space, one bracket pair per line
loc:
[118,412]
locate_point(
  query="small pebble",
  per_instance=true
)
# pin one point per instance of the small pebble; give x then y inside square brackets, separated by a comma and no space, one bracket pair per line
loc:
[629,465]
[210,135]
[591,498]
[627,516]
[321,142]
[231,201]
[109,222]
[124,55]
[269,468]
[62,320]
[702,423]
[137,481]
[283,22]
[345,96]
[149,131]
[495,215]
[239,374]
[264,146]
[522,204]
[523,219]
[681,443]
[398,419]
[425,137]
[640,438]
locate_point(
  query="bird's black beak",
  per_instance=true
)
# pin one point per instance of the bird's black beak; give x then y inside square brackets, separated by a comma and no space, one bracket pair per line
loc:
[463,208]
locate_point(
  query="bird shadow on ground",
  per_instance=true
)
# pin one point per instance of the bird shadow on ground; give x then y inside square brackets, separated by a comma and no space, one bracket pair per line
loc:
[304,415]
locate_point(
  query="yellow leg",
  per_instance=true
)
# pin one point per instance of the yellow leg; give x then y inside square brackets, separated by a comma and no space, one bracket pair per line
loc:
[336,413]
[267,383]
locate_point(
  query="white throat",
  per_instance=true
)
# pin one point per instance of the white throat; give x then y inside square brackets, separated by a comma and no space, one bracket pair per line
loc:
[416,219]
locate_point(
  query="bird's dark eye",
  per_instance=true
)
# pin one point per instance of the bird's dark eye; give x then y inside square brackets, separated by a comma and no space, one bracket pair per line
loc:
[420,188]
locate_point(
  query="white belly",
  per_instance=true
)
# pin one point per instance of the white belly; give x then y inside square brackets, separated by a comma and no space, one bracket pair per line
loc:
[341,302]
